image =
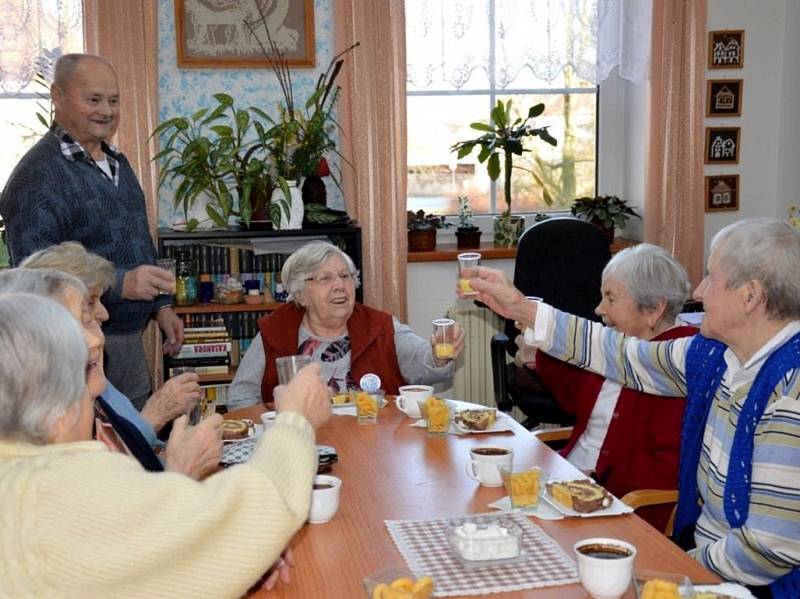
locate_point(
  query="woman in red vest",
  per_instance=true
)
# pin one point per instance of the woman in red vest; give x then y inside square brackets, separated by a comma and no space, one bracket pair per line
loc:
[324,321]
[627,439]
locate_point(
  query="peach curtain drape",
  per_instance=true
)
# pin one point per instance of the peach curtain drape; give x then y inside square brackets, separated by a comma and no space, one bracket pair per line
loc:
[674,209]
[372,114]
[126,34]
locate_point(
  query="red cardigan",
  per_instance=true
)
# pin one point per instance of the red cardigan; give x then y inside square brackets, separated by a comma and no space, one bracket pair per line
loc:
[641,449]
[371,345]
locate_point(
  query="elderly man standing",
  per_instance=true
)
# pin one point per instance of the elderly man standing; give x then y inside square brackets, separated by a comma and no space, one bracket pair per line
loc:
[73,185]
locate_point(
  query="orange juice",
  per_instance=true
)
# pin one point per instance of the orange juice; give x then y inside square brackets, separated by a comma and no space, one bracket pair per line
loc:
[444,351]
[464,285]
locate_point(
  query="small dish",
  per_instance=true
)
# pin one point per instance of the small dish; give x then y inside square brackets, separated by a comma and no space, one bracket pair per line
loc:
[251,433]
[485,541]
[254,300]
[615,507]
[687,589]
[400,577]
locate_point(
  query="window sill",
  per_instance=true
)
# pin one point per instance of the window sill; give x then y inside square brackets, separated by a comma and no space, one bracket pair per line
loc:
[446,252]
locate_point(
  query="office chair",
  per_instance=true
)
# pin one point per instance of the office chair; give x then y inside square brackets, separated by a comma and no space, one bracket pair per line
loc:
[560,260]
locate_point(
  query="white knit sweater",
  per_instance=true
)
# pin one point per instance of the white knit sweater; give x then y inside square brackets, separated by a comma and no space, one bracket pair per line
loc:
[79,521]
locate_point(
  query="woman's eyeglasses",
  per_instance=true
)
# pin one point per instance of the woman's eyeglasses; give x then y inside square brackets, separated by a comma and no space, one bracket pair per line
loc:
[326,279]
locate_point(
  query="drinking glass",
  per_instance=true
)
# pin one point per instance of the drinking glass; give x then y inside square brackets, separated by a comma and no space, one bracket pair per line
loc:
[288,366]
[444,338]
[196,413]
[367,406]
[167,264]
[467,260]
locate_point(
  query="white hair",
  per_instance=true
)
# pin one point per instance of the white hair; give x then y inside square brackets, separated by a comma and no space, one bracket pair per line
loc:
[43,359]
[49,283]
[766,250]
[650,274]
[304,262]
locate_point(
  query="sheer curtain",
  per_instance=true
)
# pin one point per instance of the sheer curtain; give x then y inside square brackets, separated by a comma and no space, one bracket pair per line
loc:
[372,113]
[674,213]
[125,34]
[449,40]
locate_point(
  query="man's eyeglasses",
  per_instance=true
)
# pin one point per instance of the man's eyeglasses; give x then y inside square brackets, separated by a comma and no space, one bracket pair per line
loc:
[326,279]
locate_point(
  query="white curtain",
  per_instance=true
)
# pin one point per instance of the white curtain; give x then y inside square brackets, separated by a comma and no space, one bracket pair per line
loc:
[449,44]
[33,35]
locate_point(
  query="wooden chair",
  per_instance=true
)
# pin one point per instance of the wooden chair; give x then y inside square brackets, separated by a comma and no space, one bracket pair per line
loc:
[634,499]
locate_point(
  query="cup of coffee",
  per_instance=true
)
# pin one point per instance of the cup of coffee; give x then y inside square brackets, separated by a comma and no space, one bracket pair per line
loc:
[486,462]
[268,419]
[324,498]
[605,566]
[409,398]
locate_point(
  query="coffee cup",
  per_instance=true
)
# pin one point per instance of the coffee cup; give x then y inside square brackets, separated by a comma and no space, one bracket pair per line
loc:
[605,566]
[324,498]
[268,419]
[486,463]
[410,396]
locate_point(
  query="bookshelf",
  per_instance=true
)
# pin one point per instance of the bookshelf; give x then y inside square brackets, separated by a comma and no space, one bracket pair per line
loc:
[248,255]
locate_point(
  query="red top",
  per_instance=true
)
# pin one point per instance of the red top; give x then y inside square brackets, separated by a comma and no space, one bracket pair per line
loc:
[372,347]
[641,449]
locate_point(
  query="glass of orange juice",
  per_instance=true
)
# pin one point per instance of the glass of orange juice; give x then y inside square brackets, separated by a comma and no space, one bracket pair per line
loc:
[444,338]
[467,260]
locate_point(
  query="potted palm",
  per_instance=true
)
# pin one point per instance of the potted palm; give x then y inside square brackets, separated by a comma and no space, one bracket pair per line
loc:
[422,230]
[208,158]
[467,234]
[605,212]
[505,137]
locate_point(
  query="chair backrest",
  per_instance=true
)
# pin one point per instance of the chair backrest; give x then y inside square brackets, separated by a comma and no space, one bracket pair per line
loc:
[561,260]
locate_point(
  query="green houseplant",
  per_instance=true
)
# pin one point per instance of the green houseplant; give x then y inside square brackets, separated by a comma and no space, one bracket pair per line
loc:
[208,155]
[422,230]
[467,234]
[505,137]
[606,212]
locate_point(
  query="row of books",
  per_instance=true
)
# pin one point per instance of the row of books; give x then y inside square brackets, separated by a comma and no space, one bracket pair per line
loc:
[206,349]
[218,263]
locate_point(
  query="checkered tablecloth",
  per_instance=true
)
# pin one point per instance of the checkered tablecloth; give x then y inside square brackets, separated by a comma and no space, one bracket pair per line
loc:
[236,453]
[423,544]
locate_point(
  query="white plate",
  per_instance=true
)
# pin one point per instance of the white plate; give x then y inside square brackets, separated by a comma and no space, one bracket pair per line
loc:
[500,425]
[615,509]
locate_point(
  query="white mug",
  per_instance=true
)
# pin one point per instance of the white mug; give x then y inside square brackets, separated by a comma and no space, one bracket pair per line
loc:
[410,395]
[324,498]
[605,566]
[486,462]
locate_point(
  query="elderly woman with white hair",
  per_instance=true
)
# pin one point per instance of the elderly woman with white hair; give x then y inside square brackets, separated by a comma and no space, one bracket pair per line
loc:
[740,443]
[194,451]
[348,339]
[627,439]
[85,521]
[177,396]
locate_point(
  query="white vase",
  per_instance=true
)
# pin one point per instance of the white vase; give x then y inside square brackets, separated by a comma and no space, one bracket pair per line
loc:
[296,207]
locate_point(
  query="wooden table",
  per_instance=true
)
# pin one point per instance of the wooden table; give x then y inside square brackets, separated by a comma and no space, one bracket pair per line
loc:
[391,471]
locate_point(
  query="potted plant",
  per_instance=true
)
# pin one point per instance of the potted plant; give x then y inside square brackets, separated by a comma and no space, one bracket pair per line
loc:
[467,234]
[505,136]
[605,212]
[422,230]
[207,155]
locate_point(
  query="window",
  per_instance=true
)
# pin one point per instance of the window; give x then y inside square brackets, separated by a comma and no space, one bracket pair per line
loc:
[463,56]
[35,34]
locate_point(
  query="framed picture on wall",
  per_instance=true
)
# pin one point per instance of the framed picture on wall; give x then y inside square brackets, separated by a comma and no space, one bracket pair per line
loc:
[726,49]
[722,193]
[724,97]
[224,34]
[722,145]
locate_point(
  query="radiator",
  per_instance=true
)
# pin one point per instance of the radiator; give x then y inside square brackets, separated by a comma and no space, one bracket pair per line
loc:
[472,380]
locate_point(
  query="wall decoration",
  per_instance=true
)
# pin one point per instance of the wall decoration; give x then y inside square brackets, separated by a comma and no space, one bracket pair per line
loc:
[722,145]
[726,49]
[724,97]
[213,34]
[722,193]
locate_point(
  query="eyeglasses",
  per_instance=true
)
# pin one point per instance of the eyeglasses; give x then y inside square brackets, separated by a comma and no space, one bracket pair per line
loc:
[326,279]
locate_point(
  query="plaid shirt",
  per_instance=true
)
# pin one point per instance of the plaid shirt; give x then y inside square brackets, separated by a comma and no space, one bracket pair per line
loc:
[73,151]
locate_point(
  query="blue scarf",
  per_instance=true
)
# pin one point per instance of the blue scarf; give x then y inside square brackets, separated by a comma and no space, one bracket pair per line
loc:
[705,367]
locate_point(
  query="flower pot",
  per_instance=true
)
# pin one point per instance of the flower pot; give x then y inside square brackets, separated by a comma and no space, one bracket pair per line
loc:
[508,229]
[468,237]
[314,191]
[296,208]
[421,240]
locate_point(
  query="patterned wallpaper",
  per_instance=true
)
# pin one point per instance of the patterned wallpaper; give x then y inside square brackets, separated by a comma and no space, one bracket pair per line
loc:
[184,91]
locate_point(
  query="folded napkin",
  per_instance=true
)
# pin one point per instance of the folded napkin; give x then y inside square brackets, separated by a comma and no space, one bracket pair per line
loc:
[542,511]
